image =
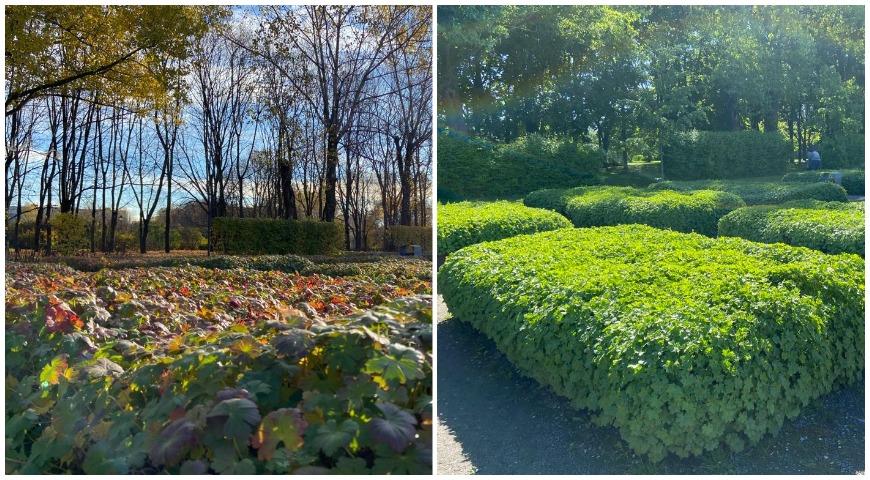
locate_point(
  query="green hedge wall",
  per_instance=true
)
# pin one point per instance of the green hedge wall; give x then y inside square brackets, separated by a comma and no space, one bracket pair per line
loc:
[852,180]
[471,168]
[257,236]
[755,192]
[399,235]
[833,227]
[680,341]
[846,150]
[697,211]
[465,223]
[701,154]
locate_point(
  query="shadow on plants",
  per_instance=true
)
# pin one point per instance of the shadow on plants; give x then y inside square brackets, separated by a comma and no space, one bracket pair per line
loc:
[510,424]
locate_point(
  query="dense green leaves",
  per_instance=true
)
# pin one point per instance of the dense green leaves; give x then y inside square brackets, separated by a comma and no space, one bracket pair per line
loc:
[680,341]
[697,155]
[851,180]
[473,168]
[194,370]
[598,206]
[833,227]
[258,236]
[758,192]
[466,223]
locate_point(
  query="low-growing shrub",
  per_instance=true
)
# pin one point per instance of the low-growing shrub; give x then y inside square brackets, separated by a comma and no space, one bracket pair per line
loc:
[833,227]
[598,206]
[851,180]
[755,192]
[399,235]
[69,233]
[703,154]
[465,223]
[473,168]
[844,150]
[282,263]
[255,236]
[680,341]
[196,371]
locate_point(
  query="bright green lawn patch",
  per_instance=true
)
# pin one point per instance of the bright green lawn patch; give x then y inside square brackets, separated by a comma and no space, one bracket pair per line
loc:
[466,223]
[680,341]
[755,192]
[833,227]
[851,180]
[598,206]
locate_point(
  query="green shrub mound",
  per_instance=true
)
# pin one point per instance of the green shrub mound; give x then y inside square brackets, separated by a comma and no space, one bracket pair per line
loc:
[475,169]
[700,154]
[399,235]
[842,150]
[598,206]
[852,180]
[466,223]
[680,341]
[755,192]
[258,236]
[833,227]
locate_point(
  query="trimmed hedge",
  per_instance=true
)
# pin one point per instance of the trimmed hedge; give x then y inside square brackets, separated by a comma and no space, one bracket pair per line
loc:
[755,192]
[466,223]
[257,236]
[833,227]
[844,150]
[399,235]
[702,154]
[475,169]
[852,180]
[680,341]
[598,206]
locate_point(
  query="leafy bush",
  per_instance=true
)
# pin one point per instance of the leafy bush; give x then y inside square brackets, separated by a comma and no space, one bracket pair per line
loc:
[852,180]
[472,168]
[833,227]
[188,370]
[597,206]
[69,233]
[755,192]
[680,341]
[701,154]
[399,235]
[845,150]
[273,236]
[465,223]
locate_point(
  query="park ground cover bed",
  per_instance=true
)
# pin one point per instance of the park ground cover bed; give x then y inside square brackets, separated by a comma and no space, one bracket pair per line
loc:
[188,369]
[696,211]
[684,343]
[852,180]
[465,223]
[832,227]
[760,192]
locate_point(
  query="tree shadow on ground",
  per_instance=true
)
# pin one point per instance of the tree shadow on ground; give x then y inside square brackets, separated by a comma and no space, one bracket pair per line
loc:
[510,424]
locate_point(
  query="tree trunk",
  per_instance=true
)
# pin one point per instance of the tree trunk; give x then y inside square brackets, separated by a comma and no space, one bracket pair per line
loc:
[331,179]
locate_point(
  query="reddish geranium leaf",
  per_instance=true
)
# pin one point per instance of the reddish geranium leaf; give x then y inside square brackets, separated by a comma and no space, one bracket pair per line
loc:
[60,318]
[173,443]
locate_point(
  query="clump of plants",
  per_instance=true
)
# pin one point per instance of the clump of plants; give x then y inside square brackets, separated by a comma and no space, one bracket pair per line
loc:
[851,180]
[598,206]
[755,192]
[465,223]
[832,227]
[682,342]
[192,370]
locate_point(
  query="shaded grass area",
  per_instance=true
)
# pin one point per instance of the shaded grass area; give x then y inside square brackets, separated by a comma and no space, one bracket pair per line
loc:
[509,424]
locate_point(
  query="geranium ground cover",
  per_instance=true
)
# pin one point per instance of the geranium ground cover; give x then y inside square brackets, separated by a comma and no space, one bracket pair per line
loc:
[682,342]
[196,370]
